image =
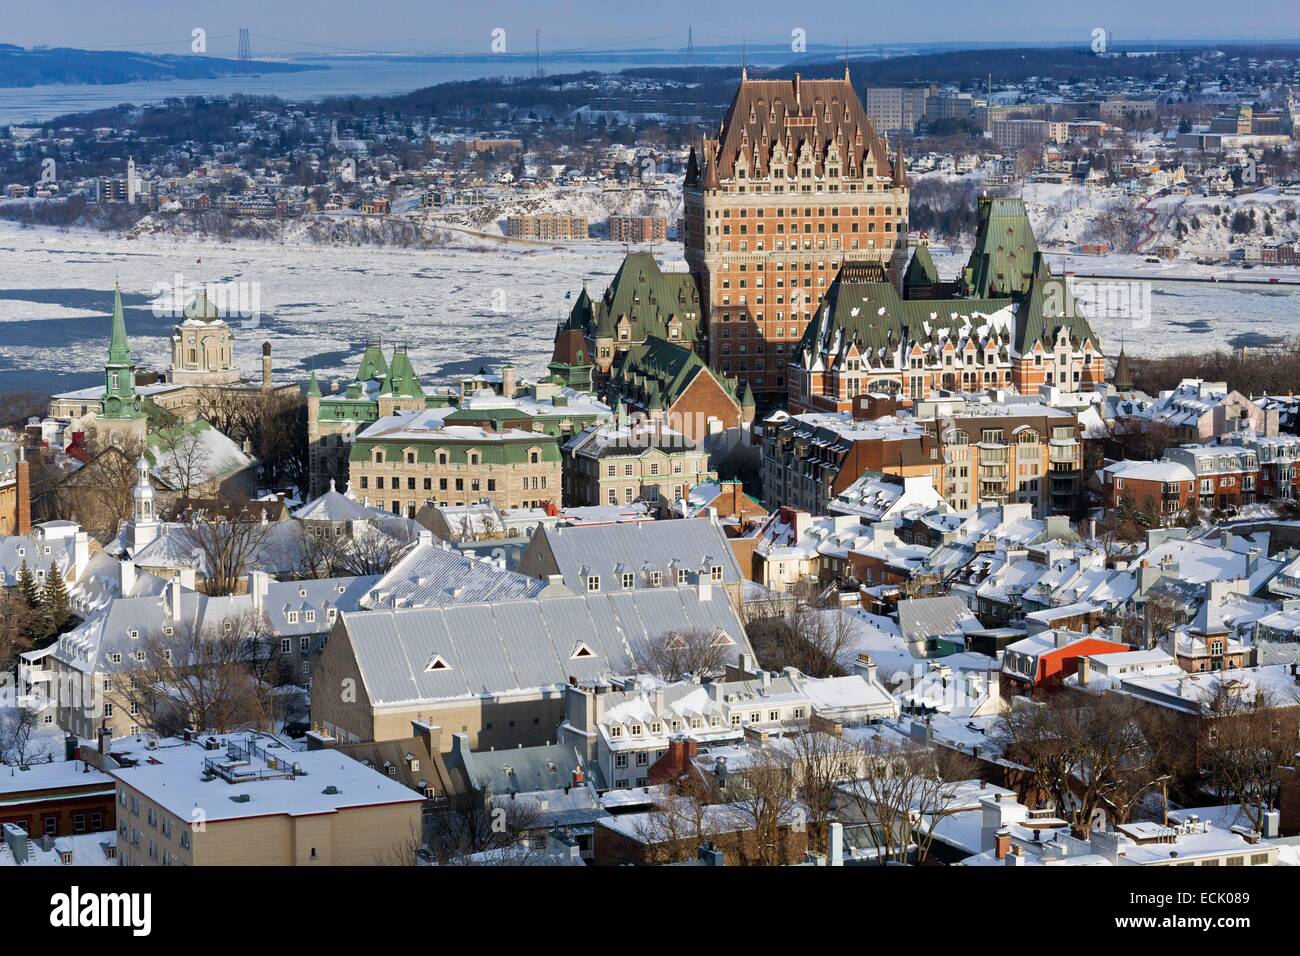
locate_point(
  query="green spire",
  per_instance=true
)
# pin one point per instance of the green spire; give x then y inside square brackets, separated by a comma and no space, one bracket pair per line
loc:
[401,380]
[120,400]
[313,387]
[373,364]
[747,397]
[119,351]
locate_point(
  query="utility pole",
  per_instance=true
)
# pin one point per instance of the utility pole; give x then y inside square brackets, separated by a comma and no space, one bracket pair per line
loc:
[245,48]
[537,55]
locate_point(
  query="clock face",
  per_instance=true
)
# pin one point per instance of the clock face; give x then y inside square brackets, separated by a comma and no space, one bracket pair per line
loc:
[114,405]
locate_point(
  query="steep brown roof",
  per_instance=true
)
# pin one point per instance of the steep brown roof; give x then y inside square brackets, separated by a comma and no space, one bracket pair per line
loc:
[766,113]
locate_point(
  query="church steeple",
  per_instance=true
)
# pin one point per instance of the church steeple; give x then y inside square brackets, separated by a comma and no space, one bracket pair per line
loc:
[144,516]
[120,399]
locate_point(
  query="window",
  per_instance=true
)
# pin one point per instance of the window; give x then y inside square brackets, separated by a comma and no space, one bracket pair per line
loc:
[620,760]
[715,574]
[593,582]
[286,645]
[629,580]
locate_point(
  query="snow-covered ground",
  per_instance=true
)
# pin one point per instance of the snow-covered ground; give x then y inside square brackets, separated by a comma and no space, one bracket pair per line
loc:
[455,308]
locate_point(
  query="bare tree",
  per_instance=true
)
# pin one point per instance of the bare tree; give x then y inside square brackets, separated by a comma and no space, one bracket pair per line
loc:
[803,633]
[822,762]
[671,656]
[904,790]
[478,821]
[1247,748]
[1090,754]
[20,745]
[764,799]
[227,543]
[210,676]
[184,460]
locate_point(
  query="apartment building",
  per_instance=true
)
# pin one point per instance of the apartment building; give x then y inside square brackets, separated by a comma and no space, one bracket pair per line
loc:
[1163,487]
[895,108]
[546,227]
[808,460]
[1226,475]
[249,800]
[638,229]
[1007,453]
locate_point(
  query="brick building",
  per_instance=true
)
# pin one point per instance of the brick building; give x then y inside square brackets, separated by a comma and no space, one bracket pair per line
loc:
[638,229]
[1163,487]
[1226,476]
[796,182]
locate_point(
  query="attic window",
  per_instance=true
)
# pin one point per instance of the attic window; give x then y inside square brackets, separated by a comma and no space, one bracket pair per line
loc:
[581,650]
[436,663]
[723,639]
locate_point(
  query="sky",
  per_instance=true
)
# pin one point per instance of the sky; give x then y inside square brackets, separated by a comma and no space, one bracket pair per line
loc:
[300,26]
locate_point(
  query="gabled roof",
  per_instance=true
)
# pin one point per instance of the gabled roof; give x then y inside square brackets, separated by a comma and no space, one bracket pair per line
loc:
[611,550]
[516,646]
[645,296]
[661,369]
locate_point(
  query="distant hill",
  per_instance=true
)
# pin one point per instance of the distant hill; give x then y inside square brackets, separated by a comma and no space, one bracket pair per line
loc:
[38,67]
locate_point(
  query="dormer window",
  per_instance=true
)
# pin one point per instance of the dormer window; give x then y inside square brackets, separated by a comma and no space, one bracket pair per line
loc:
[437,663]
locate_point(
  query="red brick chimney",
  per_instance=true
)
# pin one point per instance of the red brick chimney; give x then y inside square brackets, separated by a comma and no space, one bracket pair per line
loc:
[681,751]
[1002,846]
[23,522]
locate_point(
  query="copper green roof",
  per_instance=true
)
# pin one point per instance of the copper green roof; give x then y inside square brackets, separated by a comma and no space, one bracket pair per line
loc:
[1048,307]
[658,369]
[921,271]
[202,308]
[373,364]
[401,380]
[120,400]
[646,296]
[313,386]
[863,307]
[119,350]
[1002,262]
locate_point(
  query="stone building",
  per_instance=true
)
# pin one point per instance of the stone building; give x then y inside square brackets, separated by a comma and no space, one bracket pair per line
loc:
[408,460]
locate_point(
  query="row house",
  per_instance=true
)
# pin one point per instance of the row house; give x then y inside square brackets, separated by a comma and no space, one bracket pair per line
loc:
[1277,456]
[1226,475]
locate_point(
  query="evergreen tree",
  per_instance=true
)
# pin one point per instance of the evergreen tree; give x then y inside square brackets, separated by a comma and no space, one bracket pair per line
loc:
[27,588]
[55,606]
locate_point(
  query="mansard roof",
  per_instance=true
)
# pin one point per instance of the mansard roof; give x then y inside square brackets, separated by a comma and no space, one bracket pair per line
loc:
[766,114]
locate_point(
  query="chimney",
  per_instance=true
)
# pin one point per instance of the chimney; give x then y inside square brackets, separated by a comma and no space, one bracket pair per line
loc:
[175,589]
[1085,667]
[866,667]
[24,494]
[1002,844]
[266,365]
[105,740]
[127,576]
[258,586]
[835,845]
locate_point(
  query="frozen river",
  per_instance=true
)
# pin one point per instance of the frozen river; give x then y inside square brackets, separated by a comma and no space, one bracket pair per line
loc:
[456,309]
